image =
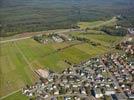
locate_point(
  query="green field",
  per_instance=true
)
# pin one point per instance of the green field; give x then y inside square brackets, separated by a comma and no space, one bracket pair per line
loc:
[103,38]
[19,59]
[92,50]
[97,24]
[15,72]
[17,96]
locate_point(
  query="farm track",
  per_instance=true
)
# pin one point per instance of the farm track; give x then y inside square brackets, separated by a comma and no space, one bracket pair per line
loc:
[10,94]
[28,63]
[26,60]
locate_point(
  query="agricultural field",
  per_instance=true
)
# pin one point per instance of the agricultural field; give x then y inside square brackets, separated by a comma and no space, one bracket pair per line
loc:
[103,38]
[19,59]
[15,72]
[17,96]
[97,24]
[92,50]
[95,34]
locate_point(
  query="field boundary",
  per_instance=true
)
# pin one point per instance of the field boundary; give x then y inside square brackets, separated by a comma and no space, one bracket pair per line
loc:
[10,94]
[26,60]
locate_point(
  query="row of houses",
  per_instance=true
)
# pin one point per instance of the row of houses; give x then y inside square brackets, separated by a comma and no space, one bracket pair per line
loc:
[88,80]
[123,71]
[127,45]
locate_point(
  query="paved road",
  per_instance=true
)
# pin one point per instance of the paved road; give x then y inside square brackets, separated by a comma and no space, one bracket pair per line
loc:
[115,81]
[11,40]
[17,39]
[80,95]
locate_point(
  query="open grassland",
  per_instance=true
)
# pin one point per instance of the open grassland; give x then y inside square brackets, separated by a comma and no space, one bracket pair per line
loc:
[97,24]
[18,59]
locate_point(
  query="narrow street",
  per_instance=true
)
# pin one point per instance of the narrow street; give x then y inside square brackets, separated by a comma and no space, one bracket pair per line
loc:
[115,81]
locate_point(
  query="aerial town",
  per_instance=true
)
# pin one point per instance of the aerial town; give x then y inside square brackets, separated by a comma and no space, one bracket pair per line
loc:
[66,49]
[107,77]
[127,46]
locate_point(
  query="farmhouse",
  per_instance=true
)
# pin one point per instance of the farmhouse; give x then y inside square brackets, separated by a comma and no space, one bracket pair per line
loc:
[57,39]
